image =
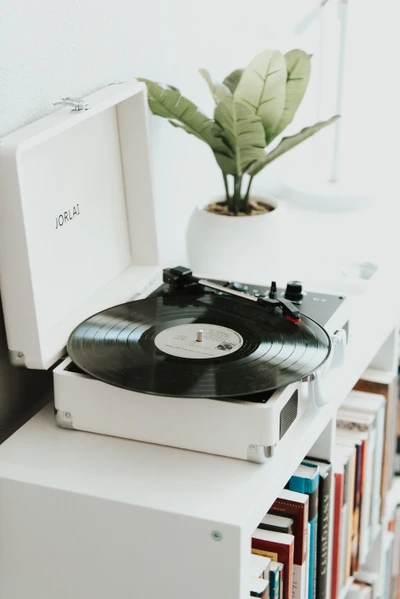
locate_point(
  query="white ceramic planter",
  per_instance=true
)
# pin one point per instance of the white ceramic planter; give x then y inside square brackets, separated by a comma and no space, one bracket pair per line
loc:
[236,247]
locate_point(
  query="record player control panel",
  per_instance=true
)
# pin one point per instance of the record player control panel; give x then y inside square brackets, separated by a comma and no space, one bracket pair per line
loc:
[319,306]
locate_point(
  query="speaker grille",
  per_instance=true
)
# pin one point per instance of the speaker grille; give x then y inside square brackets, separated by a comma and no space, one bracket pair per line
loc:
[288,414]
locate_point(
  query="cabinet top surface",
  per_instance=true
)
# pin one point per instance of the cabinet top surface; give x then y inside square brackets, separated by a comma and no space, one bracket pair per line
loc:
[143,474]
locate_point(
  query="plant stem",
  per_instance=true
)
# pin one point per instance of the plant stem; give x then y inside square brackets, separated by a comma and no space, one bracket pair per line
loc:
[230,199]
[246,197]
[226,188]
[236,194]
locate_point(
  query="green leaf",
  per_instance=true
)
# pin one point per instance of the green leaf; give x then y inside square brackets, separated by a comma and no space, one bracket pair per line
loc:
[233,79]
[290,142]
[242,132]
[262,88]
[169,103]
[298,66]
[219,91]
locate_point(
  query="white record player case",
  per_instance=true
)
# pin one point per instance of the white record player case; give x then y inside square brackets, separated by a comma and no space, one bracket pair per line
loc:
[78,235]
[77,219]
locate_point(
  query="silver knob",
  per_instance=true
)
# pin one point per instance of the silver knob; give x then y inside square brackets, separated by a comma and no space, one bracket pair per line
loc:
[78,104]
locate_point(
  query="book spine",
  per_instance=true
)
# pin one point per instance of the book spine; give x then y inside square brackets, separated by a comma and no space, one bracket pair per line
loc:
[392,408]
[342,545]
[377,473]
[274,584]
[312,578]
[356,510]
[364,453]
[299,484]
[337,516]
[323,541]
[350,514]
[367,492]
[281,583]
[308,558]
[299,588]
[275,580]
[289,578]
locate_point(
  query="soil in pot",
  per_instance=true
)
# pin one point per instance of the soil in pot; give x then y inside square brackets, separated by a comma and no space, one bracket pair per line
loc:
[255,208]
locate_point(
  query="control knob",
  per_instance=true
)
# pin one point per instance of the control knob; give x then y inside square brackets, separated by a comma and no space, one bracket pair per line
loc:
[294,291]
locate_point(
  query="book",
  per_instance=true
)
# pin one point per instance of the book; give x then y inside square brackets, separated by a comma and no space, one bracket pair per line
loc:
[259,566]
[354,440]
[346,455]
[259,587]
[295,505]
[363,423]
[397,456]
[277,523]
[275,572]
[308,555]
[337,525]
[324,518]
[374,404]
[306,480]
[279,547]
[384,383]
[343,527]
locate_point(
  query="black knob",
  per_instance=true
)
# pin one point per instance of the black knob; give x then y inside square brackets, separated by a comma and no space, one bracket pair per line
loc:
[273,291]
[293,291]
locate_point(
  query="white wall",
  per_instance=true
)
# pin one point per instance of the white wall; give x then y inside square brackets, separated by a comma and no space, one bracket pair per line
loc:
[53,48]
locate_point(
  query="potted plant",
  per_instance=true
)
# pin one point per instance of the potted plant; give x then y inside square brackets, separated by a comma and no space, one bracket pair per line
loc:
[253,107]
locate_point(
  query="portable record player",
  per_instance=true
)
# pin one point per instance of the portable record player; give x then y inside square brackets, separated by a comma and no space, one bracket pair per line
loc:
[211,366]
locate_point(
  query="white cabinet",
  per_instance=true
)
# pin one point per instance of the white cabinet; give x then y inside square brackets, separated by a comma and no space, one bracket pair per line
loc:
[84,516]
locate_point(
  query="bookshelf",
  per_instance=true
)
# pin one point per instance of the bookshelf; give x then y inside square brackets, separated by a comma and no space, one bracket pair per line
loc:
[117,518]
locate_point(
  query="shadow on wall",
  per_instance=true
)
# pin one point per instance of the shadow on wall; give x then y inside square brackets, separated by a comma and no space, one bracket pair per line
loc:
[23,392]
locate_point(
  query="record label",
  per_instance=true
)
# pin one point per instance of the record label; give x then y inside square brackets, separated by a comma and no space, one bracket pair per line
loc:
[198,341]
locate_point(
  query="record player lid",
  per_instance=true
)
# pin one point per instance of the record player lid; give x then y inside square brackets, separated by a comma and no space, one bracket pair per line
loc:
[77,228]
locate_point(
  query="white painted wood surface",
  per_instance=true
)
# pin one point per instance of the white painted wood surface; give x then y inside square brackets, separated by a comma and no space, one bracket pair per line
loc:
[98,511]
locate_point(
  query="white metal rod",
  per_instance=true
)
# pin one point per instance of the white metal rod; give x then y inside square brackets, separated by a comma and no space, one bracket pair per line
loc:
[306,21]
[343,6]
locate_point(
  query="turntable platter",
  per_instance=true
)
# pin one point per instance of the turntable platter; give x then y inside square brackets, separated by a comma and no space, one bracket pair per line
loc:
[197,346]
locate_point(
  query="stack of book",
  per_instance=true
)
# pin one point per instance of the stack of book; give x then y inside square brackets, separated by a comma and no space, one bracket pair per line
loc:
[370,585]
[294,535]
[358,471]
[319,532]
[384,384]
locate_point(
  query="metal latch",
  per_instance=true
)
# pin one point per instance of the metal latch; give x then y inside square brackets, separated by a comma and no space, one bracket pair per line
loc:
[78,104]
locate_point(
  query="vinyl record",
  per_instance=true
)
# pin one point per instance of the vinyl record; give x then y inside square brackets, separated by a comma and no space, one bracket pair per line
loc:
[197,346]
